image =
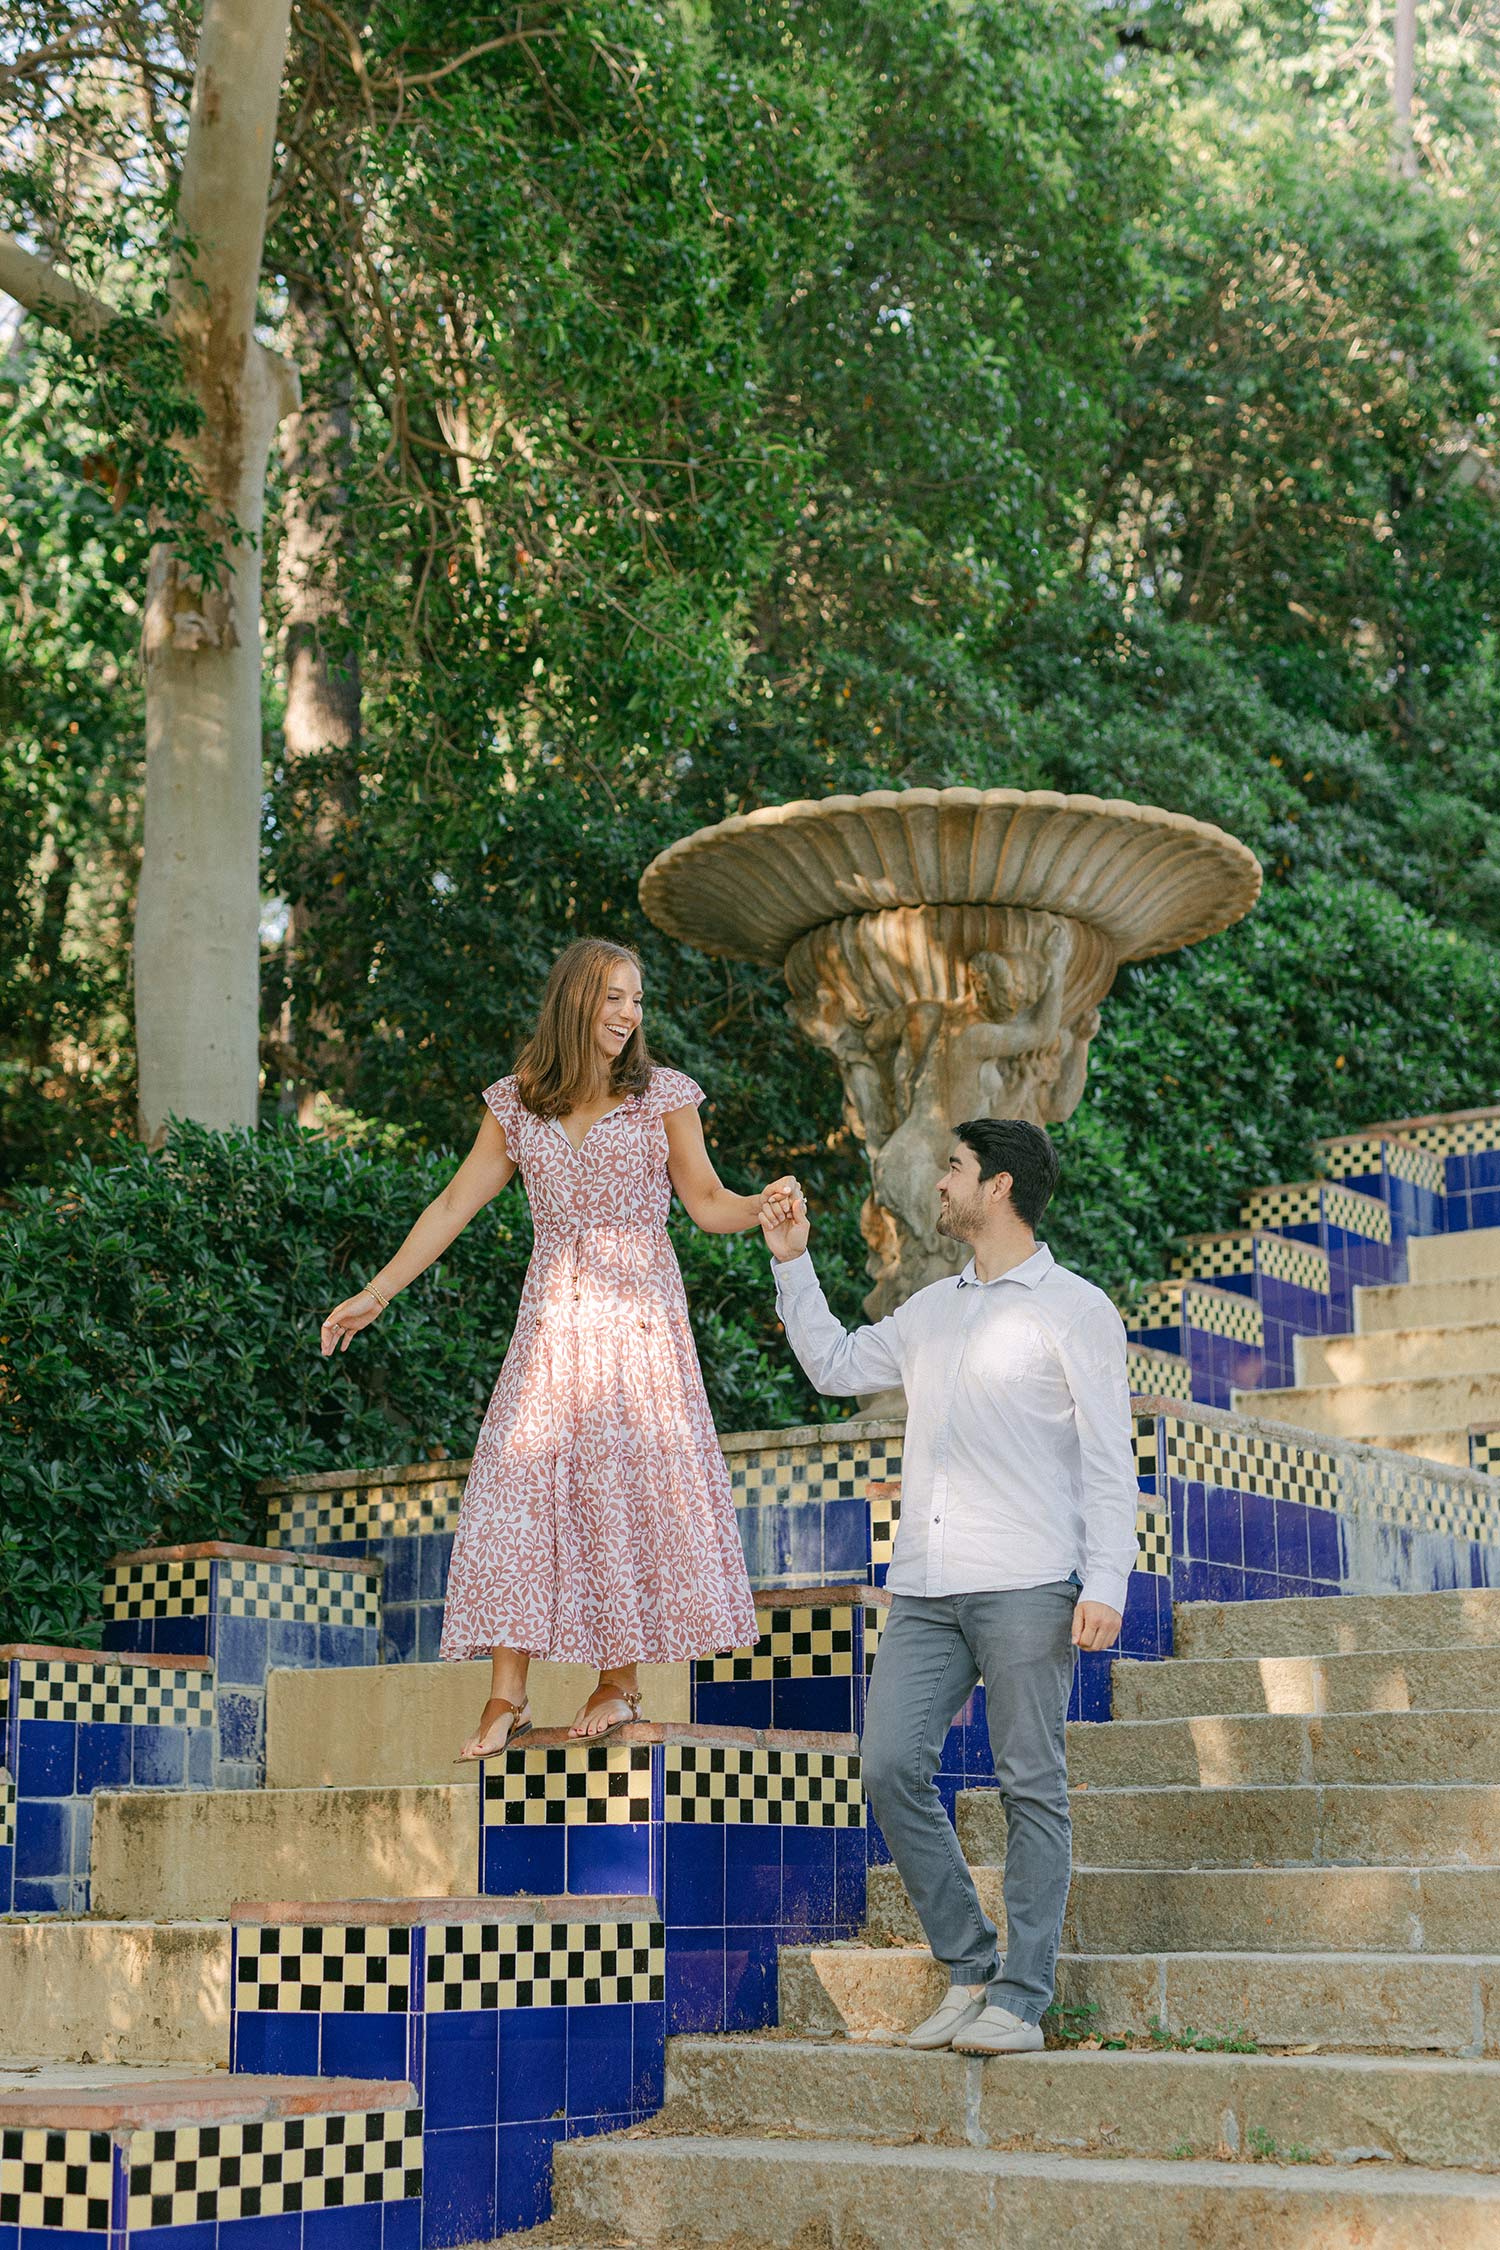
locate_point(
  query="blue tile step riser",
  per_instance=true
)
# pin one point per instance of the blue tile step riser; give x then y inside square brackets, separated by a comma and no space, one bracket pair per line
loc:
[747,1841]
[285,2167]
[519,2023]
[1409,1181]
[1468,1145]
[73,1721]
[246,1609]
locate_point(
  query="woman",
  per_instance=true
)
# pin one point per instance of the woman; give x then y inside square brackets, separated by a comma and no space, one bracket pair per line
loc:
[597,1525]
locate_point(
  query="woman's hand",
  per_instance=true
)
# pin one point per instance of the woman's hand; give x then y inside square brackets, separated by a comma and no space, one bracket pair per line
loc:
[347,1320]
[783,1220]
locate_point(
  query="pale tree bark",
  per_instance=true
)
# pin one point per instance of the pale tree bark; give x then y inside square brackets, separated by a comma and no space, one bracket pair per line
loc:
[1403,85]
[197,913]
[321,729]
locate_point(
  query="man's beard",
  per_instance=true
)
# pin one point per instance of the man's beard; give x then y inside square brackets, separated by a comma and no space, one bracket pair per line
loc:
[958,1221]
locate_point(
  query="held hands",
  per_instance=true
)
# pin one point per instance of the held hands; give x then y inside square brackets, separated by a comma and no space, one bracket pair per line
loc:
[347,1320]
[1095,1625]
[783,1219]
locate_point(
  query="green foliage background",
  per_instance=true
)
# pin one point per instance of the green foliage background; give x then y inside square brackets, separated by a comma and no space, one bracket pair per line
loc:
[745,402]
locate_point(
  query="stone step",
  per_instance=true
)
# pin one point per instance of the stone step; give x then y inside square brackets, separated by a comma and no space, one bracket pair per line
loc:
[1345,2109]
[383,1726]
[1472,1255]
[667,2189]
[1353,1624]
[1415,1679]
[1229,1910]
[1456,1348]
[1426,1304]
[1439,2003]
[1406,1405]
[1228,1752]
[1450,1448]
[1337,1825]
[195,1852]
[118,1992]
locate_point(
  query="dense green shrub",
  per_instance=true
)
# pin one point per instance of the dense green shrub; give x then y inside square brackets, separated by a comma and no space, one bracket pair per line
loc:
[159,1345]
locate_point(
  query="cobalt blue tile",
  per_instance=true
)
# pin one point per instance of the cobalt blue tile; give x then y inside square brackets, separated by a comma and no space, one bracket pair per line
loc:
[808,1886]
[291,1643]
[1291,1539]
[1222,1514]
[1258,1530]
[280,2045]
[199,2237]
[1195,1517]
[240,1718]
[805,1541]
[42,1894]
[846,1537]
[1224,1584]
[752,1875]
[814,1706]
[245,2234]
[1261,1586]
[524,2175]
[429,1632]
[133,1636]
[695,1983]
[694,1881]
[523,1858]
[648,2050]
[1484,1208]
[401,1581]
[432,1568]
[43,1837]
[200,1754]
[240,1650]
[732,1703]
[749,1978]
[599,2059]
[370,2046]
[459,2182]
[1324,1560]
[353,2226]
[533,2064]
[46,1751]
[401,2224]
[181,1636]
[462,2084]
[159,1757]
[609,1857]
[103,1757]
[345,1645]
[400,1635]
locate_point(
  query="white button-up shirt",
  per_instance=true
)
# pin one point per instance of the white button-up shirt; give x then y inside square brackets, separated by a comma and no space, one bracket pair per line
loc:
[1018,1464]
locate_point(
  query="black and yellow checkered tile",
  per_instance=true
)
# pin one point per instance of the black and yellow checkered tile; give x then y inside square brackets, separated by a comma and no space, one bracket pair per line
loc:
[72,1690]
[55,2179]
[735,1783]
[602,1783]
[811,1467]
[1234,1460]
[322,1968]
[803,1642]
[191,2175]
[290,1592]
[1361,1155]
[1315,1203]
[543,1964]
[1213,1312]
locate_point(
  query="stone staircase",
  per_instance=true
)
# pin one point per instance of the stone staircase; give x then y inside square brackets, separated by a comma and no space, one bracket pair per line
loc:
[1287,1844]
[1421,1369]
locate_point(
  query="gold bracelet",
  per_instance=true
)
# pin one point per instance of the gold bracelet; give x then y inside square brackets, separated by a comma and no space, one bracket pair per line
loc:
[383,1302]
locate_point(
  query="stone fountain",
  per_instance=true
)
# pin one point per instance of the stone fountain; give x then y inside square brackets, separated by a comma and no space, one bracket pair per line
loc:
[950,948]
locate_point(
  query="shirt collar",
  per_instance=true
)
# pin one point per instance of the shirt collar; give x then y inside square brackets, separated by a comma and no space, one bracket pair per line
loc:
[1029,1272]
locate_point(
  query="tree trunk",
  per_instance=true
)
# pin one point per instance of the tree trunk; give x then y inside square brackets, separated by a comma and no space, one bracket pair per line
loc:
[321,729]
[1403,82]
[197,955]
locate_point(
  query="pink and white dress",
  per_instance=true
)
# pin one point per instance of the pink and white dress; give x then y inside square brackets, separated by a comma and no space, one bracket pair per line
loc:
[597,1524]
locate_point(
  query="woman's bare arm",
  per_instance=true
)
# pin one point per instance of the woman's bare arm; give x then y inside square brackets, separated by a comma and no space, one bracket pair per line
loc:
[478,1180]
[703,1195]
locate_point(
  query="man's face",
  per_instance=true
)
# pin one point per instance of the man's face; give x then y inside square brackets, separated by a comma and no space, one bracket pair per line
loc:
[963,1198]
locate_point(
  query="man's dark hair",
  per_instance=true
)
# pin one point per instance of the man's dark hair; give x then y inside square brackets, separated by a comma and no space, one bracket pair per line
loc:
[1010,1144]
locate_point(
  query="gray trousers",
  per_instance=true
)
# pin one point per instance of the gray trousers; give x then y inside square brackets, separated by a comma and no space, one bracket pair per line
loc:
[932,1654]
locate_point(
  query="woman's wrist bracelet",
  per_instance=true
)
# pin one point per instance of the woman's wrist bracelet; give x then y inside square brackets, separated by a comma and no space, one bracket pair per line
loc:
[383,1302]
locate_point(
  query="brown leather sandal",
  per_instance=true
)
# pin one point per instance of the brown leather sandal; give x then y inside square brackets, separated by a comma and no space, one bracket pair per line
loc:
[520,1724]
[608,1691]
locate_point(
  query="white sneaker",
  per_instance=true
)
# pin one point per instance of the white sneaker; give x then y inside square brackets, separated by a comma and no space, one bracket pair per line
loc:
[995,2031]
[961,2007]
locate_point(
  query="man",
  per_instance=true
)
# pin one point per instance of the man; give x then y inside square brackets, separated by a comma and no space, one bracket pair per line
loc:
[1017,1536]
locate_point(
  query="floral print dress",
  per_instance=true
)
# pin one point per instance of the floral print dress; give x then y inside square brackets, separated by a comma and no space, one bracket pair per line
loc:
[597,1524]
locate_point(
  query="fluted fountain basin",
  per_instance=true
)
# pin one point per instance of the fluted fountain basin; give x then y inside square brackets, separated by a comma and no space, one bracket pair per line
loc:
[1146,879]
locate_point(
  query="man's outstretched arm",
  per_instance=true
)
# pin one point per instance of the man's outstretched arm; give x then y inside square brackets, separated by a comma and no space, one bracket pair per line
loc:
[837,1361]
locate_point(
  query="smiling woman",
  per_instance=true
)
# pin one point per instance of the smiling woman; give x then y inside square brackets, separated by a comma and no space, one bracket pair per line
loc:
[597,1524]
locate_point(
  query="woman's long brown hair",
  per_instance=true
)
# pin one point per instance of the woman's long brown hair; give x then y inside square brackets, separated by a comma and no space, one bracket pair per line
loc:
[556,1069]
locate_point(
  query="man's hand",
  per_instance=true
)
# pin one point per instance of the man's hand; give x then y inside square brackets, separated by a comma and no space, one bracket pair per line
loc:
[1095,1625]
[784,1221]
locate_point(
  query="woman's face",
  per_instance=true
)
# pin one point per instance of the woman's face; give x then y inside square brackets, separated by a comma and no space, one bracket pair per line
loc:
[619,1013]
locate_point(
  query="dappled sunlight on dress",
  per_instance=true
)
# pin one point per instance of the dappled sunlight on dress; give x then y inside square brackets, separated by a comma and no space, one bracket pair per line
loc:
[597,1523]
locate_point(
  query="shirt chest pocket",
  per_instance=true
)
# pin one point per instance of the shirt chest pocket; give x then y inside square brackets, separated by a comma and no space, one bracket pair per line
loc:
[1007,1351]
